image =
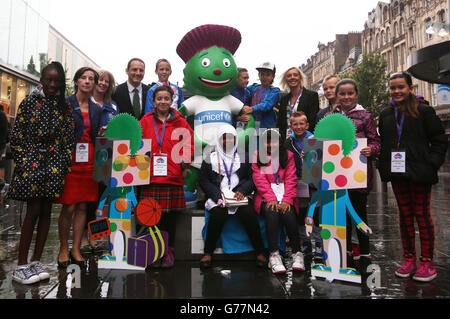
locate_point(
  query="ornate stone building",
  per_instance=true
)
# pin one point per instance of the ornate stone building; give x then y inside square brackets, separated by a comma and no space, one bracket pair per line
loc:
[332,58]
[397,28]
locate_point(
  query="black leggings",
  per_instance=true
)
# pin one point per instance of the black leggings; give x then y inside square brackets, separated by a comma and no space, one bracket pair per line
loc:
[359,202]
[248,219]
[289,220]
[168,223]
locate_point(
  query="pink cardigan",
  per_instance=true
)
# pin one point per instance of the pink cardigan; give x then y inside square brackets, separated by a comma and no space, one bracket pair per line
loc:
[263,178]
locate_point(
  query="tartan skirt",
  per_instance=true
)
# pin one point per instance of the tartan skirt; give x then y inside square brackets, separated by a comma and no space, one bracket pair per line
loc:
[169,197]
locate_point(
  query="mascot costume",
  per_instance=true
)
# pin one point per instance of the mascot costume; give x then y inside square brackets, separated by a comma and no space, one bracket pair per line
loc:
[210,75]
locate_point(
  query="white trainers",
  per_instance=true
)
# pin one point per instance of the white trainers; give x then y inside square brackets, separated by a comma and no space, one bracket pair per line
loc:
[299,262]
[38,269]
[276,264]
[25,276]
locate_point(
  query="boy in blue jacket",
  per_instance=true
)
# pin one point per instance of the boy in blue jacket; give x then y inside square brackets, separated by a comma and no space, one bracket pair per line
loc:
[264,97]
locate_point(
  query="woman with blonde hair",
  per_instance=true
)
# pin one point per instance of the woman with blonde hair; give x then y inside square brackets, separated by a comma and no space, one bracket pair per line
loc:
[103,96]
[298,99]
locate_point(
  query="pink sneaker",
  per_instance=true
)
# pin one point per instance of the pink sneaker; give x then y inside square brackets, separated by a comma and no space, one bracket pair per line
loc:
[426,272]
[408,267]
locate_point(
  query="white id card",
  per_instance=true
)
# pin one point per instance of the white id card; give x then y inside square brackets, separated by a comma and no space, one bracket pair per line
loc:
[82,153]
[160,165]
[278,190]
[398,162]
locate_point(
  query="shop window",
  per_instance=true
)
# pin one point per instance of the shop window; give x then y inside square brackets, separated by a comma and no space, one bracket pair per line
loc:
[8,94]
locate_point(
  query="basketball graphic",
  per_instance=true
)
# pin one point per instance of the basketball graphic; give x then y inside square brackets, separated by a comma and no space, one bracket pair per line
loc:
[148,212]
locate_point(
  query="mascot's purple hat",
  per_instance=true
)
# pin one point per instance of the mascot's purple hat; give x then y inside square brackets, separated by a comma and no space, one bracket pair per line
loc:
[206,36]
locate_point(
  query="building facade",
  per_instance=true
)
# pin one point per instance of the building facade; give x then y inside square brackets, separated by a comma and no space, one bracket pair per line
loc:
[334,57]
[28,43]
[397,28]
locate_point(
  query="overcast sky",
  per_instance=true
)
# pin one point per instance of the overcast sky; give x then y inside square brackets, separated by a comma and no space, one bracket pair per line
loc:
[286,32]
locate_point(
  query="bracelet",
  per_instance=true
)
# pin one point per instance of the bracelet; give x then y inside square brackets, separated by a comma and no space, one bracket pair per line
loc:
[309,221]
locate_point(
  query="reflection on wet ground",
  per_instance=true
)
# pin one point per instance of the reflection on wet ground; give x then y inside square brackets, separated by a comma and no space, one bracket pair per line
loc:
[239,278]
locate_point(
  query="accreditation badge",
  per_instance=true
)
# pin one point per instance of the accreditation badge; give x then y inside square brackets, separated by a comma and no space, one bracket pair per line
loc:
[82,153]
[160,163]
[398,161]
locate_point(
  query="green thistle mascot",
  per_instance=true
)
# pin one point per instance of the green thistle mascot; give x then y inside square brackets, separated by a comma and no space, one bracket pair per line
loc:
[210,74]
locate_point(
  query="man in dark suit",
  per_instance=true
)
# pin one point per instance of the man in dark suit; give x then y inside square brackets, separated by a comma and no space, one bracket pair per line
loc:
[131,95]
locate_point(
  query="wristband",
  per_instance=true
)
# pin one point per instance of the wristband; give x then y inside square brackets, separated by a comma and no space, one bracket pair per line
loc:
[309,221]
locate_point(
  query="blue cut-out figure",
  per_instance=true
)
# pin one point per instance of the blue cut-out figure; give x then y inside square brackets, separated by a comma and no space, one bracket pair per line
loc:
[334,205]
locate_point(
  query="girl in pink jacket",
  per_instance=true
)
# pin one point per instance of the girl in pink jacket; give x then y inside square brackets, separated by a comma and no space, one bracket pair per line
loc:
[274,175]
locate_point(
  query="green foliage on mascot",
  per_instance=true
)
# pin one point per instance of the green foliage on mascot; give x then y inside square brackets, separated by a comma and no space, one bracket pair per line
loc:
[210,74]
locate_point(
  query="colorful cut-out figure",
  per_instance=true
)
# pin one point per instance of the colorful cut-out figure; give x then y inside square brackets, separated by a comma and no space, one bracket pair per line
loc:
[122,161]
[334,205]
[211,75]
[121,202]
[333,163]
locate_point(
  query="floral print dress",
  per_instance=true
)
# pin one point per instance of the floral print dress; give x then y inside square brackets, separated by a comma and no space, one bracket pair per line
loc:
[42,142]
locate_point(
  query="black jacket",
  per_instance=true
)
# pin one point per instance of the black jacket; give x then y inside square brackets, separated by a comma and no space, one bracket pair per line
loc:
[308,104]
[423,139]
[290,145]
[95,113]
[122,97]
[209,181]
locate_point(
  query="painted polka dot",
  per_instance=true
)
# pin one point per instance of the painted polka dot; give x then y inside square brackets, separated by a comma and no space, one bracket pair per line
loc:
[144,175]
[325,234]
[113,183]
[341,181]
[126,225]
[356,144]
[133,161]
[142,145]
[360,176]
[128,178]
[99,213]
[113,227]
[328,167]
[122,149]
[121,205]
[363,159]
[111,247]
[324,185]
[346,162]
[325,255]
[334,149]
[342,233]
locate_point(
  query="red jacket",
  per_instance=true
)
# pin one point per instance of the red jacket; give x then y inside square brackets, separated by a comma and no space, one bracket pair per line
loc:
[178,145]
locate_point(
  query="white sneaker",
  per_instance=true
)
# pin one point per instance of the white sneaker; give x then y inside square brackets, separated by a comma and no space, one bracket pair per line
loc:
[25,275]
[38,269]
[276,264]
[299,262]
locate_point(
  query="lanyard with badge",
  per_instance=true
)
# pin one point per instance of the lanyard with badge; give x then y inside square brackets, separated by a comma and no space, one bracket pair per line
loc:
[229,172]
[82,149]
[160,160]
[278,186]
[398,155]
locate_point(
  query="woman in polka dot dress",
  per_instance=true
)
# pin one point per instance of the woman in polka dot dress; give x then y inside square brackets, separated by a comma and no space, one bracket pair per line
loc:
[42,143]
[347,104]
[80,187]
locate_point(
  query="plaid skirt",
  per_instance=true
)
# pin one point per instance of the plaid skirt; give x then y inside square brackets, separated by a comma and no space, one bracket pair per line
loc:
[169,197]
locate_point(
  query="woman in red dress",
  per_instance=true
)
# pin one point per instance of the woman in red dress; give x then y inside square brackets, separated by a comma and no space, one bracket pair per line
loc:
[80,187]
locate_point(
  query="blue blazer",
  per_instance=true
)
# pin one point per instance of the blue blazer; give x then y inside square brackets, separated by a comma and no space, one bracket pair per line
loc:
[95,113]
